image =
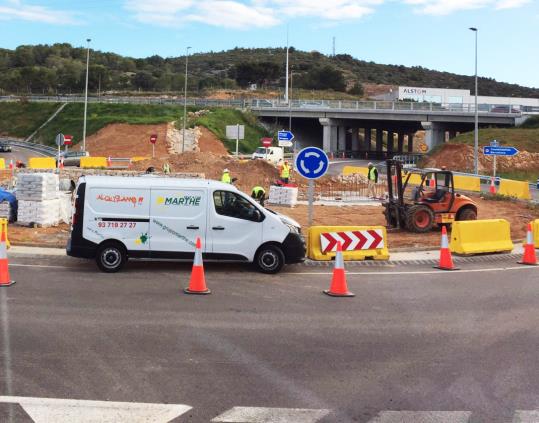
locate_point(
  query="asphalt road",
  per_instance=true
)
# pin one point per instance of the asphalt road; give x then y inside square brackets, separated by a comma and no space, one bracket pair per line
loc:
[18,153]
[413,338]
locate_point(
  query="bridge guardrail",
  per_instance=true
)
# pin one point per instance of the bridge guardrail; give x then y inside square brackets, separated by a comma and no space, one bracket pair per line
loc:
[40,148]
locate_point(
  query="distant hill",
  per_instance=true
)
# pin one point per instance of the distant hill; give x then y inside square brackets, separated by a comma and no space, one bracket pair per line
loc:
[60,68]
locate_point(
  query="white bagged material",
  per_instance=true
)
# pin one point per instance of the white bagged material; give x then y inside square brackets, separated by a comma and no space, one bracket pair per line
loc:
[40,213]
[37,186]
[284,196]
[64,207]
[6,211]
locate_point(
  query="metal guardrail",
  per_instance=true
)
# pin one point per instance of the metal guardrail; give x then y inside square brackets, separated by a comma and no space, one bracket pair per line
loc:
[262,104]
[40,148]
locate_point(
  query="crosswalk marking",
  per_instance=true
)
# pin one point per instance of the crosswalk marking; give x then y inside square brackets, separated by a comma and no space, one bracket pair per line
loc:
[422,417]
[46,410]
[522,416]
[270,415]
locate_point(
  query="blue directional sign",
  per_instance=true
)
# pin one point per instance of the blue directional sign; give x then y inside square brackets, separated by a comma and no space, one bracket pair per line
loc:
[499,151]
[312,163]
[285,136]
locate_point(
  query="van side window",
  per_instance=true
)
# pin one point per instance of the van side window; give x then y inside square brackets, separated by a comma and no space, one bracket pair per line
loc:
[233,205]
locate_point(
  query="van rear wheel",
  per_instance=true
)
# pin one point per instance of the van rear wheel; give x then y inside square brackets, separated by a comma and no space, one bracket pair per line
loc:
[111,257]
[269,259]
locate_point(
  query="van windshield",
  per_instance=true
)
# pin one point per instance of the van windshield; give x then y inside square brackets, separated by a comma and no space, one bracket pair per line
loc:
[260,150]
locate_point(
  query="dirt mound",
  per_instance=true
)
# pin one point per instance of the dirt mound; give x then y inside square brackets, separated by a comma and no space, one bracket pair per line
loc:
[209,143]
[125,140]
[248,172]
[460,157]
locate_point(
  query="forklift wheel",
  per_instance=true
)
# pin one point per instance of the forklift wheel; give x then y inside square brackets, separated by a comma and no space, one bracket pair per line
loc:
[419,218]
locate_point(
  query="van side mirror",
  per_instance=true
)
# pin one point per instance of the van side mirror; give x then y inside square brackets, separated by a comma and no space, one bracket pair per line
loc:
[257,216]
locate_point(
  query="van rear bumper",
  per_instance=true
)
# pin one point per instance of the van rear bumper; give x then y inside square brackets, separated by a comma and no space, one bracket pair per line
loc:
[294,248]
[81,251]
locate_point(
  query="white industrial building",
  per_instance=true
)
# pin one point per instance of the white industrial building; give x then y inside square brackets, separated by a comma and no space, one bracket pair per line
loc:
[455,97]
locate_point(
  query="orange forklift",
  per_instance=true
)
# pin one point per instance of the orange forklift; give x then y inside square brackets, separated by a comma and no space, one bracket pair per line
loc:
[432,201]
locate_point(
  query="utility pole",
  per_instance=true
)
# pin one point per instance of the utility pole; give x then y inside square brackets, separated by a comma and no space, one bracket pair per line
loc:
[287,53]
[86,96]
[476,128]
[185,99]
[333,46]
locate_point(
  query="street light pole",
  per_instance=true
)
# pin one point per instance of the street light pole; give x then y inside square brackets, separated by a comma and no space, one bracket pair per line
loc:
[185,99]
[86,96]
[286,79]
[476,128]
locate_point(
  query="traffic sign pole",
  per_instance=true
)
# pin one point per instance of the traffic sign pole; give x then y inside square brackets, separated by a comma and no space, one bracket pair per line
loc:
[310,195]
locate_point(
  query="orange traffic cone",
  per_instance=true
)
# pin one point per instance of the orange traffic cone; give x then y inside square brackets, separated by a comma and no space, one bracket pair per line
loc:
[432,183]
[5,280]
[529,258]
[492,188]
[197,284]
[61,164]
[109,162]
[338,286]
[446,261]
[11,165]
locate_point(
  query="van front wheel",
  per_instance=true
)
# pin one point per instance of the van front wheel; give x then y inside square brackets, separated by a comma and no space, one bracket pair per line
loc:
[269,259]
[111,257]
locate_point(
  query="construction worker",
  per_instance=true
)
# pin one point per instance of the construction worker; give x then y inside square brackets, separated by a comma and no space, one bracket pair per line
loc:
[372,180]
[166,168]
[226,177]
[285,172]
[259,194]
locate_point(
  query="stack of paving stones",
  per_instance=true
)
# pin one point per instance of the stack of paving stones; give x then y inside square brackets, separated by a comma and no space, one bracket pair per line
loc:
[283,196]
[7,212]
[38,199]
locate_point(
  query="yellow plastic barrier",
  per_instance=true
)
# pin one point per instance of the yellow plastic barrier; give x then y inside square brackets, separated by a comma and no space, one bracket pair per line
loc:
[535,227]
[516,189]
[89,162]
[481,236]
[415,179]
[139,158]
[2,164]
[3,229]
[42,163]
[352,170]
[467,183]
[374,237]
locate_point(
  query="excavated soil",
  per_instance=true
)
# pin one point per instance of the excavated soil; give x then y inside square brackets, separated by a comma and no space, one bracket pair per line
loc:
[125,140]
[209,143]
[460,157]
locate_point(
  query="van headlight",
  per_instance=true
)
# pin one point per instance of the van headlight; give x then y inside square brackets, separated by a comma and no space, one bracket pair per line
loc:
[293,229]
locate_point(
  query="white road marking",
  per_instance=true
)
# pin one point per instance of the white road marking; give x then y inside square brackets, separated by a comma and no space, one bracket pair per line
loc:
[420,272]
[270,415]
[422,417]
[522,416]
[46,410]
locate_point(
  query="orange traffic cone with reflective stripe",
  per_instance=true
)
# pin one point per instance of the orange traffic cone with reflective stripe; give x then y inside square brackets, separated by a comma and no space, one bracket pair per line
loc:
[338,286]
[109,162]
[446,261]
[61,163]
[5,280]
[197,284]
[432,183]
[492,188]
[529,258]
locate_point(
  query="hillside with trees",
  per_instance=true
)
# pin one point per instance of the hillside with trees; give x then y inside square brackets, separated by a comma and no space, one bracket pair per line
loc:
[60,69]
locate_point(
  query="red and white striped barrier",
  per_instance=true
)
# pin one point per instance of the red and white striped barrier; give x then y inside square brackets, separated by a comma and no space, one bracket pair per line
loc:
[352,240]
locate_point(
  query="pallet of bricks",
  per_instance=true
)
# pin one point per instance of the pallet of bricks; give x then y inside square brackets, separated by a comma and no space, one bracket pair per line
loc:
[40,201]
[283,196]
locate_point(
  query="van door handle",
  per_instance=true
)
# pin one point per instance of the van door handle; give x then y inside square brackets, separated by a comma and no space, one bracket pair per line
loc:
[218,228]
[193,227]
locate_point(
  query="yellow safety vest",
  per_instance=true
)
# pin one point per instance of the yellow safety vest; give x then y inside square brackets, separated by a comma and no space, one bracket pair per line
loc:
[285,171]
[372,176]
[226,178]
[257,190]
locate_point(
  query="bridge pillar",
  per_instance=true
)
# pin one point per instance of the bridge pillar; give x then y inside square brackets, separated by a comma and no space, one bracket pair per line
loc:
[410,143]
[452,134]
[390,142]
[355,140]
[379,142]
[400,142]
[341,140]
[367,139]
[329,143]
[434,134]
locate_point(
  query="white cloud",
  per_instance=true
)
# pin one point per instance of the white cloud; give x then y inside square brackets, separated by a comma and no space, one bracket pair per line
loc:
[334,10]
[446,7]
[18,10]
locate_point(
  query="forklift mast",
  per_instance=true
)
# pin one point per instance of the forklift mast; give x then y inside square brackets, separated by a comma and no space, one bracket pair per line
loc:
[394,171]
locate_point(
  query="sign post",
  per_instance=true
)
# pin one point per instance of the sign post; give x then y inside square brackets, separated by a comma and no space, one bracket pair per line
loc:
[285,138]
[236,132]
[311,163]
[494,143]
[153,140]
[59,140]
[494,149]
[266,143]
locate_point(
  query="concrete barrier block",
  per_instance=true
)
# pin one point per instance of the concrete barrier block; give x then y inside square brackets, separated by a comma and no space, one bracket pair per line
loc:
[517,189]
[481,236]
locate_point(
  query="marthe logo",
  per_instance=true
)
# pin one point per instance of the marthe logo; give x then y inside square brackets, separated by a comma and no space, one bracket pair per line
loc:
[186,200]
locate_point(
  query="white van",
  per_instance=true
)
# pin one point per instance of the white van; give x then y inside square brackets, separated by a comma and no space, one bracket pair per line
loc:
[272,154]
[116,218]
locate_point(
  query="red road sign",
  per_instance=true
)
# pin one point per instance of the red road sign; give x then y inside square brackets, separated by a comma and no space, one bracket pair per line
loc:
[352,240]
[266,142]
[153,138]
[68,139]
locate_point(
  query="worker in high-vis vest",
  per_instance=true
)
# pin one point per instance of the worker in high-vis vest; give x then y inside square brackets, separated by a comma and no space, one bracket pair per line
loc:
[372,180]
[259,194]
[285,172]
[166,168]
[226,177]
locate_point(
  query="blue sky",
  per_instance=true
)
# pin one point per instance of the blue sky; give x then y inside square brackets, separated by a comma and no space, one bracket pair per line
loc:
[429,33]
